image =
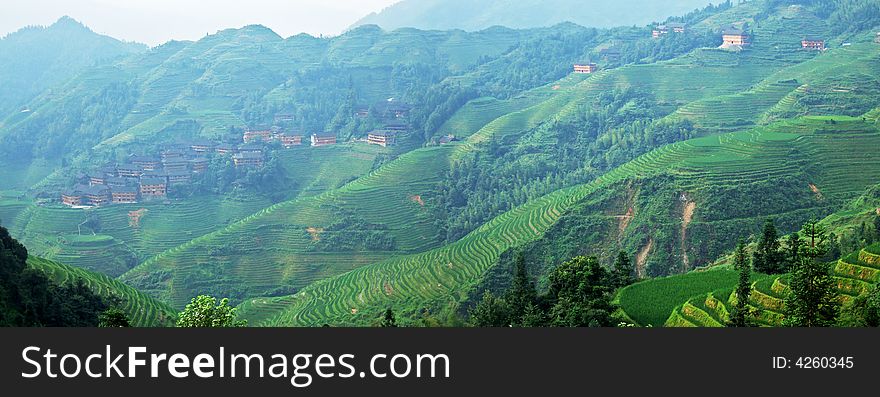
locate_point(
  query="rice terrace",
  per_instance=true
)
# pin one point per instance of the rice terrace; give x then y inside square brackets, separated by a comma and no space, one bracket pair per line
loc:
[684,165]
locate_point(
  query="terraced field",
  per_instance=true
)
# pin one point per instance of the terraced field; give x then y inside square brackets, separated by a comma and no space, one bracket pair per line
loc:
[143,311]
[854,274]
[446,274]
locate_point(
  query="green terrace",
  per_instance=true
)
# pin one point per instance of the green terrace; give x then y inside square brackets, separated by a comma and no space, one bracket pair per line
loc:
[446,274]
[142,310]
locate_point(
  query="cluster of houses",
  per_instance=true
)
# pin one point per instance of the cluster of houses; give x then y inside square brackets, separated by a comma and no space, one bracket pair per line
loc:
[150,177]
[733,38]
[142,177]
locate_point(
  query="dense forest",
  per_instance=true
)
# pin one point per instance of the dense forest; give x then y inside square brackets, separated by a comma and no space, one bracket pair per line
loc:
[28,298]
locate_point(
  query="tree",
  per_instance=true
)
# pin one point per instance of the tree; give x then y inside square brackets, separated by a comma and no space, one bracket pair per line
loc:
[624,272]
[741,315]
[204,312]
[113,318]
[767,257]
[580,291]
[521,293]
[863,311]
[794,250]
[812,301]
[491,311]
[389,321]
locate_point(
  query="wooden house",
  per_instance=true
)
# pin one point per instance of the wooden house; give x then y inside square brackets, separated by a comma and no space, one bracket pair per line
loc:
[585,68]
[123,195]
[324,139]
[153,187]
[382,138]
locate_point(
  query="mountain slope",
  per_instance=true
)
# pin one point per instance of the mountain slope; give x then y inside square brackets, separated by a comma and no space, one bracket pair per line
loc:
[444,276]
[34,59]
[143,311]
[473,15]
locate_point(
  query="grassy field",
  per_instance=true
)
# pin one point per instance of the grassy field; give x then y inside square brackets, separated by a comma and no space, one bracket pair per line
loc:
[649,303]
[143,311]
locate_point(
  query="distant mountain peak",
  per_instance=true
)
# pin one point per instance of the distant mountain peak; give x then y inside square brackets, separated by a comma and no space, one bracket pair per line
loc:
[475,15]
[67,22]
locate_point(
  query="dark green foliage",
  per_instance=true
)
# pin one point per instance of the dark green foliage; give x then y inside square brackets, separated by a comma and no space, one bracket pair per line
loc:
[491,311]
[205,312]
[624,273]
[794,250]
[741,315]
[813,299]
[580,294]
[388,320]
[113,318]
[863,311]
[768,258]
[28,298]
[352,233]
[522,296]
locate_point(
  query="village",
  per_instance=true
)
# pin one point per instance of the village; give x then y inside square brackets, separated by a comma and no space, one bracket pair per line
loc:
[150,177]
[733,39]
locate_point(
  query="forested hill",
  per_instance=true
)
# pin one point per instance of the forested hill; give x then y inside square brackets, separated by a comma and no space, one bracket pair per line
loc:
[36,58]
[472,15]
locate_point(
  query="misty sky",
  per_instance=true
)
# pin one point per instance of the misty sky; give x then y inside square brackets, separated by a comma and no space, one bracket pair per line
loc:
[156,21]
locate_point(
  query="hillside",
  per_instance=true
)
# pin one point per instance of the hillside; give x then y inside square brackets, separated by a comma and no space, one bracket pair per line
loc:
[666,150]
[482,14]
[34,59]
[142,310]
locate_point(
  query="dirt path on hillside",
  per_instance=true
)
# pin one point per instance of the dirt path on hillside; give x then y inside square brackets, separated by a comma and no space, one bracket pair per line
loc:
[315,232]
[623,222]
[642,258]
[686,218]
[418,199]
[817,192]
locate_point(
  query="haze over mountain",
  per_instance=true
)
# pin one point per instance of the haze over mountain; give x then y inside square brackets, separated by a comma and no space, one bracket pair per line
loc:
[36,58]
[480,14]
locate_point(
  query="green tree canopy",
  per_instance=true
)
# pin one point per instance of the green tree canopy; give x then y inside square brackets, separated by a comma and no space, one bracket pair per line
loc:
[204,312]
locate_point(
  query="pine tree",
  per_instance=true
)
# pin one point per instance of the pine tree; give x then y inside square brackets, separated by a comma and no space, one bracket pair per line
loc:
[389,321]
[767,258]
[522,293]
[624,272]
[812,301]
[490,312]
[794,251]
[741,315]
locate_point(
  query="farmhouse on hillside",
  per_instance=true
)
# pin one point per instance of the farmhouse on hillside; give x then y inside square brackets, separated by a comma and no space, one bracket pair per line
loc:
[585,68]
[255,136]
[82,195]
[199,164]
[97,179]
[734,38]
[289,140]
[129,171]
[225,148]
[201,146]
[154,187]
[123,195]
[382,138]
[244,159]
[146,163]
[324,139]
[813,43]
[662,30]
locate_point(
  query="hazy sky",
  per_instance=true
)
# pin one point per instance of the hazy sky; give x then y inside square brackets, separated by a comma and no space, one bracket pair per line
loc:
[156,21]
